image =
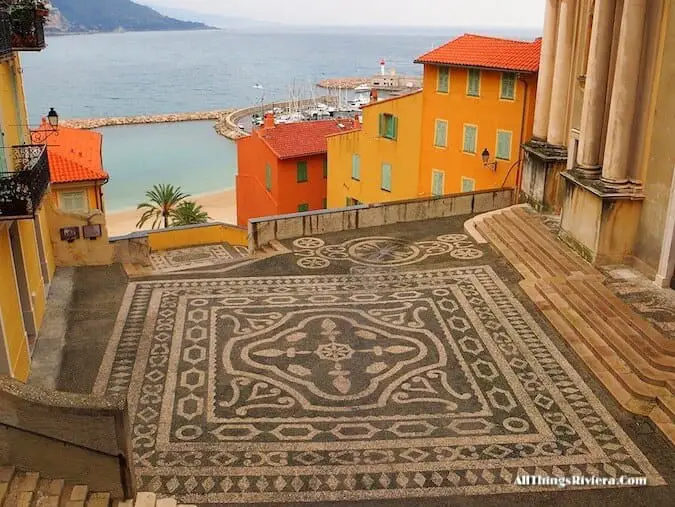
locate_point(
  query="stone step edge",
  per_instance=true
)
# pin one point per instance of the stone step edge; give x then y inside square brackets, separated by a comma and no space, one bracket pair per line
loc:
[640,383]
[627,389]
[541,261]
[637,341]
[508,254]
[539,230]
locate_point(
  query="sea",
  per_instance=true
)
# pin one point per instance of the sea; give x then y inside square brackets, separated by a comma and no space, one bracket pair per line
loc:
[138,73]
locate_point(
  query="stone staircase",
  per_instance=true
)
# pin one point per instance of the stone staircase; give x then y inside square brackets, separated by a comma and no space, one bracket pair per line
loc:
[633,360]
[28,489]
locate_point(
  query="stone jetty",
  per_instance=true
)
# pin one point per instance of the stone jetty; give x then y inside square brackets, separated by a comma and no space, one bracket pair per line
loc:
[343,83]
[94,123]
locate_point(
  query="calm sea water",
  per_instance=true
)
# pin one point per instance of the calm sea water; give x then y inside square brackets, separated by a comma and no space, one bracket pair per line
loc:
[164,72]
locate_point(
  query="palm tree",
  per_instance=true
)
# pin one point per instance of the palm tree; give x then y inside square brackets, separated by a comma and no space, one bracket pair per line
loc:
[162,199]
[188,213]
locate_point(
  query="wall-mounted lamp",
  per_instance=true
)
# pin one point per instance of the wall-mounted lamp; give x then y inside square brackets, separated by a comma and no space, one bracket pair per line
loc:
[40,136]
[53,118]
[486,160]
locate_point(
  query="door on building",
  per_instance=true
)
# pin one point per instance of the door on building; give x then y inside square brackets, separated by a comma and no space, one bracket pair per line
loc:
[25,297]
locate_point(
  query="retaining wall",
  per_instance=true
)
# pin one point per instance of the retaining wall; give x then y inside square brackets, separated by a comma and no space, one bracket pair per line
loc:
[263,230]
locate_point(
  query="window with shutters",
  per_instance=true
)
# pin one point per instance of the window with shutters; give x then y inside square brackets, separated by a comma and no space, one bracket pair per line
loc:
[468,184]
[437,182]
[303,207]
[441,134]
[443,82]
[473,83]
[503,145]
[386,177]
[470,139]
[508,86]
[325,169]
[302,172]
[356,167]
[73,201]
[388,126]
[268,177]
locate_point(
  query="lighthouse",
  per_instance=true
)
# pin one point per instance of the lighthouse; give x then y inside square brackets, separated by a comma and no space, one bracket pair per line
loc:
[382,66]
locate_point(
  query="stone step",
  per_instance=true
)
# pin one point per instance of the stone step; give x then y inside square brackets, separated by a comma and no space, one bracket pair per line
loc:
[167,502]
[521,266]
[21,489]
[6,476]
[98,500]
[145,500]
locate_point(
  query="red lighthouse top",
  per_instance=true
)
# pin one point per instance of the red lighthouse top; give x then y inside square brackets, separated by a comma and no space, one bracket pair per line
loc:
[382,61]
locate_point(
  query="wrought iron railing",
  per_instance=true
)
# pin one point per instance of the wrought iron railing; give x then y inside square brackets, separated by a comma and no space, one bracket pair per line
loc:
[22,191]
[27,19]
[5,35]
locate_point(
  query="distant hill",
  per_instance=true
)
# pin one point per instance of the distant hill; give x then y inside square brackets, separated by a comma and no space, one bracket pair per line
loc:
[110,16]
[229,22]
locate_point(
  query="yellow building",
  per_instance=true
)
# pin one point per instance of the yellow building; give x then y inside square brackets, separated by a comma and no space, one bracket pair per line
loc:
[26,259]
[379,162]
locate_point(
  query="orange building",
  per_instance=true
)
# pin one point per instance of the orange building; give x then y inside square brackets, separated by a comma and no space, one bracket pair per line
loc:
[477,110]
[76,167]
[284,168]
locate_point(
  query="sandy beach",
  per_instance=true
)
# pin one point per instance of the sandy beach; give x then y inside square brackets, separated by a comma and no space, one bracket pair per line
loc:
[221,207]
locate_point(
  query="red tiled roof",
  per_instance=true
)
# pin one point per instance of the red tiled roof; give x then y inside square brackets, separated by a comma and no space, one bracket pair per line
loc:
[487,52]
[74,154]
[293,140]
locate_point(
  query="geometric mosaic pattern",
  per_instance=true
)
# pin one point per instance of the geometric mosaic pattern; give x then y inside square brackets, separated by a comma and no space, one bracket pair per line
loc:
[166,261]
[381,251]
[339,387]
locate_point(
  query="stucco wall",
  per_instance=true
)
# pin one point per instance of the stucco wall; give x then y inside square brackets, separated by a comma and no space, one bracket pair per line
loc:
[660,151]
[194,235]
[81,252]
[374,150]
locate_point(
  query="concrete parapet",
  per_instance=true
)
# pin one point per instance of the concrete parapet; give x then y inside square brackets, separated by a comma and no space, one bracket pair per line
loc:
[266,229]
[80,438]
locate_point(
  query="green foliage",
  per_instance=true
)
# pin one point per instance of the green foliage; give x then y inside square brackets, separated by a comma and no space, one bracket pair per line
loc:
[162,200]
[188,213]
[111,15]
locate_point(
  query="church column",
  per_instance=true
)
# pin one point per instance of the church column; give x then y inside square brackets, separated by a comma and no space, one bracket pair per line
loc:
[561,74]
[624,93]
[595,92]
[546,64]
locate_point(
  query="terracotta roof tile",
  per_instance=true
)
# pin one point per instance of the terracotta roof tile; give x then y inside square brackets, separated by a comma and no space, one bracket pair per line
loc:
[293,140]
[74,154]
[471,50]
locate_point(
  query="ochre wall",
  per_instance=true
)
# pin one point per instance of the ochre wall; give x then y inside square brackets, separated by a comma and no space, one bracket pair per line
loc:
[10,310]
[12,106]
[31,260]
[488,112]
[403,155]
[90,187]
[198,235]
[46,240]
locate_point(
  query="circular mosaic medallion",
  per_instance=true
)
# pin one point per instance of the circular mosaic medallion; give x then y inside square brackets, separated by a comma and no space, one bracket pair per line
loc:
[313,263]
[383,251]
[452,238]
[308,243]
[333,252]
[466,253]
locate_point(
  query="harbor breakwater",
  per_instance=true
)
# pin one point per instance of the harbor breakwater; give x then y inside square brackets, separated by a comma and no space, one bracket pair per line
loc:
[94,123]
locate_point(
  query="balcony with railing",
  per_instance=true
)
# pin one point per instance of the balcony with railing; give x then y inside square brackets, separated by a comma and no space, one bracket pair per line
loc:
[22,191]
[22,26]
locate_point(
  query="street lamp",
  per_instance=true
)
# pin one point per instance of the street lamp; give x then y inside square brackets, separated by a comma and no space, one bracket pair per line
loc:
[53,118]
[486,160]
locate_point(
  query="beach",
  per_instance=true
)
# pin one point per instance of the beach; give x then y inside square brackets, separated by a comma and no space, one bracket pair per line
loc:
[221,207]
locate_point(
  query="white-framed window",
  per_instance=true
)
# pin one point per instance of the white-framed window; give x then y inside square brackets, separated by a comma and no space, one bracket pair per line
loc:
[470,139]
[441,134]
[437,182]
[473,83]
[504,138]
[386,177]
[443,81]
[507,89]
[468,184]
[356,167]
[74,201]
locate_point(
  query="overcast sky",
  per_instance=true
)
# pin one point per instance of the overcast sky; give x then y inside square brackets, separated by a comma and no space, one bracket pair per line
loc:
[485,13]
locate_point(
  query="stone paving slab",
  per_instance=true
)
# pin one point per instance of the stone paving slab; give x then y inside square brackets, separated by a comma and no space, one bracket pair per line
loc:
[393,385]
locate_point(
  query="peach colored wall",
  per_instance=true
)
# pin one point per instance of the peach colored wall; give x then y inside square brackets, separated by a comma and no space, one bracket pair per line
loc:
[488,112]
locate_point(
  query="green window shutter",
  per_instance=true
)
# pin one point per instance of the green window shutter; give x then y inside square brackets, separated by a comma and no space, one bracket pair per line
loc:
[395,127]
[3,160]
[470,138]
[302,172]
[437,184]
[504,145]
[268,177]
[508,86]
[386,177]
[441,137]
[303,207]
[383,128]
[325,168]
[356,166]
[474,83]
[468,185]
[443,84]
[325,203]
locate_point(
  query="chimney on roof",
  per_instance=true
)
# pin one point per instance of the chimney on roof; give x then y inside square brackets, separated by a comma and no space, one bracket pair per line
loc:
[268,122]
[373,95]
[357,121]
